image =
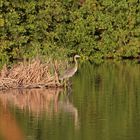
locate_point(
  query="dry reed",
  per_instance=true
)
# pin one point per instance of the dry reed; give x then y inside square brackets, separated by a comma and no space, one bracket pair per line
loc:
[33,74]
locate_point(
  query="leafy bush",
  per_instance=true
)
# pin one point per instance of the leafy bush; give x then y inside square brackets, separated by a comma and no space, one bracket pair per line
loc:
[93,29]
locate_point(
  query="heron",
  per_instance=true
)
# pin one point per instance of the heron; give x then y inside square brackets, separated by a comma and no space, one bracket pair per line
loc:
[71,71]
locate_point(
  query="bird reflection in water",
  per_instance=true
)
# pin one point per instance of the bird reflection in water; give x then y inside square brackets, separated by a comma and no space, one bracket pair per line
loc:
[38,101]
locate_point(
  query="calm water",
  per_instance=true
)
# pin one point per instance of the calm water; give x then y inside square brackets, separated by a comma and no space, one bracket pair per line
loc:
[103,104]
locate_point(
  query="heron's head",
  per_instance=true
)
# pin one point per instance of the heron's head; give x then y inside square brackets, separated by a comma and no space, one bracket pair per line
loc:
[76,56]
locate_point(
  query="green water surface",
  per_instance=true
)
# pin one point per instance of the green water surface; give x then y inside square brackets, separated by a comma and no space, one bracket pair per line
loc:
[102,104]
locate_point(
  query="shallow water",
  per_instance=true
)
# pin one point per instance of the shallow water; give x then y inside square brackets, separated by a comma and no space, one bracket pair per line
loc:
[102,104]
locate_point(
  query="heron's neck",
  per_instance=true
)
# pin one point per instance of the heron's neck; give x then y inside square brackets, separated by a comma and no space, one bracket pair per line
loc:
[76,64]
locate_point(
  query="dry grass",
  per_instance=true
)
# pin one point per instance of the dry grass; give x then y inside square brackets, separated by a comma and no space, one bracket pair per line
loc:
[33,74]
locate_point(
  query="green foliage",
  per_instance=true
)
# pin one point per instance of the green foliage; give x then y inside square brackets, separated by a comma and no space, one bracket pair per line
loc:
[93,29]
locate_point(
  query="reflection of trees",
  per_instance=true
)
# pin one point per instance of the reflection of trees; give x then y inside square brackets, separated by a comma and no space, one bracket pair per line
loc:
[39,101]
[110,99]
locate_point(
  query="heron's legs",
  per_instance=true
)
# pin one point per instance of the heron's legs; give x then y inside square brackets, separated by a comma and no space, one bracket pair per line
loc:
[68,83]
[65,83]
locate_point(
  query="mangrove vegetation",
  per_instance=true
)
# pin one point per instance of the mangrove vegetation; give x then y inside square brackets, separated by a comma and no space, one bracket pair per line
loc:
[61,28]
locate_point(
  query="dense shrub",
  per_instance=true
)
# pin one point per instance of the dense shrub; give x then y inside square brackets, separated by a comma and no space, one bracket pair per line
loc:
[91,28]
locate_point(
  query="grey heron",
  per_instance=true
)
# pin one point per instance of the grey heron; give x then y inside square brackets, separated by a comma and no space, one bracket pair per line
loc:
[71,71]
